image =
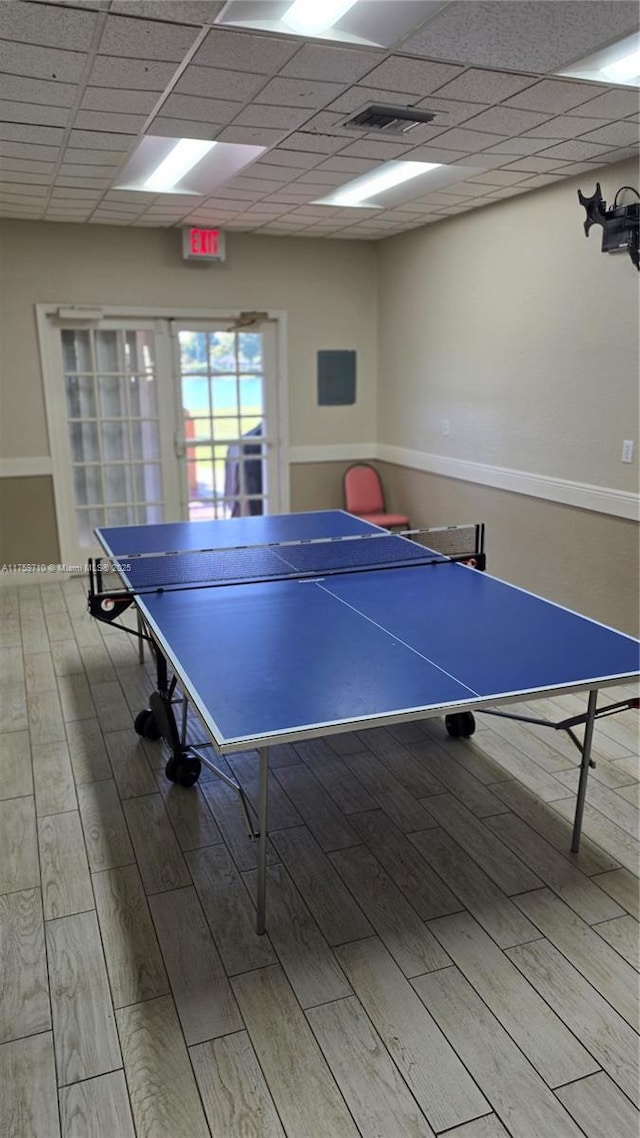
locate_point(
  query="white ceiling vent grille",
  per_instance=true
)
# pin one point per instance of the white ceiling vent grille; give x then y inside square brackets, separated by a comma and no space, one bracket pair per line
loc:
[388,120]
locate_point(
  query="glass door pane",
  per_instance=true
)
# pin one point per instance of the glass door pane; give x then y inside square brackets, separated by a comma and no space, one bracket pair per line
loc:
[227,421]
[110,381]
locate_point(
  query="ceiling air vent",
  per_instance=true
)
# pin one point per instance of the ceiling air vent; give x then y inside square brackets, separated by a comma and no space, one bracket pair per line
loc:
[390,120]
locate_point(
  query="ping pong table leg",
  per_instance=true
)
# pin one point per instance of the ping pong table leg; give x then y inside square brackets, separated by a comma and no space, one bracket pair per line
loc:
[584,769]
[261,894]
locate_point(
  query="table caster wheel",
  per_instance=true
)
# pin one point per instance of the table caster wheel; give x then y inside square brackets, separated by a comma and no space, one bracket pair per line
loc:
[183,769]
[461,725]
[145,724]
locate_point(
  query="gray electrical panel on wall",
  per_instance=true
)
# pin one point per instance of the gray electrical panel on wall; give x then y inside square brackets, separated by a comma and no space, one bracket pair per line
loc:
[336,378]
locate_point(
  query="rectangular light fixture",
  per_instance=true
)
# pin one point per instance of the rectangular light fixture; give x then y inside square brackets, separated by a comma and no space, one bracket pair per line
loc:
[618,64]
[311,17]
[360,192]
[186,154]
[183,166]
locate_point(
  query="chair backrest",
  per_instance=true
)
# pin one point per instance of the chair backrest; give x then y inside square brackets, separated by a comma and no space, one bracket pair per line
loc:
[363,490]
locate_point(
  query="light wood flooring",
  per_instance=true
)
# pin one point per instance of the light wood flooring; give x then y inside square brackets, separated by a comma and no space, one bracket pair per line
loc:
[437,962]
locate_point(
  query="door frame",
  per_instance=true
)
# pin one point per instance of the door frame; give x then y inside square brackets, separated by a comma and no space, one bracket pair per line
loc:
[50,318]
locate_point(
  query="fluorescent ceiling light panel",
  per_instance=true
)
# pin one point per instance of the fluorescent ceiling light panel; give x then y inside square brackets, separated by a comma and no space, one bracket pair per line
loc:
[396,183]
[372,23]
[183,157]
[360,190]
[185,166]
[618,64]
[312,17]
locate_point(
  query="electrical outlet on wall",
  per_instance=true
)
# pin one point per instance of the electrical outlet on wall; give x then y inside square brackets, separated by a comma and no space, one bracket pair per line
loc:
[445,426]
[627,451]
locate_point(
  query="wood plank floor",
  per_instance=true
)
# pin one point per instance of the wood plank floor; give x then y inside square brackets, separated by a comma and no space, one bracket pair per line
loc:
[436,960]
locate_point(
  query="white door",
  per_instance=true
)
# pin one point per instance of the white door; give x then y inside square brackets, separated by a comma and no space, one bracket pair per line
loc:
[227,439]
[110,416]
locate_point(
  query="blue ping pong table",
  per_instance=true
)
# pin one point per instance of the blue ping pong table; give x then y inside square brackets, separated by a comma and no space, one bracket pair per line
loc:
[285,628]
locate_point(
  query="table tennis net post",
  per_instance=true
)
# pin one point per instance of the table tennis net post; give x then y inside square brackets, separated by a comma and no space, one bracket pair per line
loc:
[183,569]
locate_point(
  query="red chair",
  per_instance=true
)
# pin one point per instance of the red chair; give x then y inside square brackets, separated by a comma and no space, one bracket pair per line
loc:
[364,497]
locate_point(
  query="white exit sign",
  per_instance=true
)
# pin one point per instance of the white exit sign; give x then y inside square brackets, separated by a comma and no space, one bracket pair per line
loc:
[203,244]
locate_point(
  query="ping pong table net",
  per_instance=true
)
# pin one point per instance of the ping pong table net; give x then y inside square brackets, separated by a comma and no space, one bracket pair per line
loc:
[205,568]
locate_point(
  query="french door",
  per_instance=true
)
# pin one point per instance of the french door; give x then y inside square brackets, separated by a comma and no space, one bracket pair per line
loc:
[154,419]
[228,421]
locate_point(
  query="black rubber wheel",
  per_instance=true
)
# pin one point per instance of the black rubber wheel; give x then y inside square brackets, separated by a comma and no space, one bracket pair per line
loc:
[183,769]
[460,726]
[145,724]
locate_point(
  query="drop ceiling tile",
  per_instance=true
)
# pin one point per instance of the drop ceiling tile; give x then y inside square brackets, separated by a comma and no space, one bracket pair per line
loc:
[99,140]
[414,75]
[520,145]
[611,105]
[131,74]
[32,177]
[182,11]
[22,132]
[621,155]
[539,180]
[574,151]
[506,121]
[48,25]
[535,165]
[552,95]
[127,209]
[482,86]
[530,35]
[468,140]
[435,154]
[499,178]
[216,83]
[33,113]
[254,186]
[569,169]
[328,124]
[27,166]
[68,194]
[139,39]
[86,157]
[472,189]
[64,181]
[41,62]
[450,112]
[368,148]
[105,121]
[288,118]
[276,175]
[24,189]
[301,149]
[133,196]
[240,51]
[70,170]
[26,90]
[564,126]
[251,136]
[118,100]
[360,96]
[28,150]
[320,179]
[108,219]
[184,128]
[335,64]
[614,134]
[313,93]
[344,164]
[213,111]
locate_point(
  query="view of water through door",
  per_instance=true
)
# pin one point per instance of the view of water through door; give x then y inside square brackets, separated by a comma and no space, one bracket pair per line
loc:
[226,393]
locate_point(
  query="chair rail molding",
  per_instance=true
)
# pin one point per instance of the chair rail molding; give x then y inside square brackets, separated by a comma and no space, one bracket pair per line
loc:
[582,495]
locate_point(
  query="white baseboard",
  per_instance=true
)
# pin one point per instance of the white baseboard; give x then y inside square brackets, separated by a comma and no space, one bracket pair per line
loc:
[582,495]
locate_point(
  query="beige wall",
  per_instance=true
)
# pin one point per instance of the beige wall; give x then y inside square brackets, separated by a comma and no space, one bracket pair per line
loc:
[512,325]
[327,288]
